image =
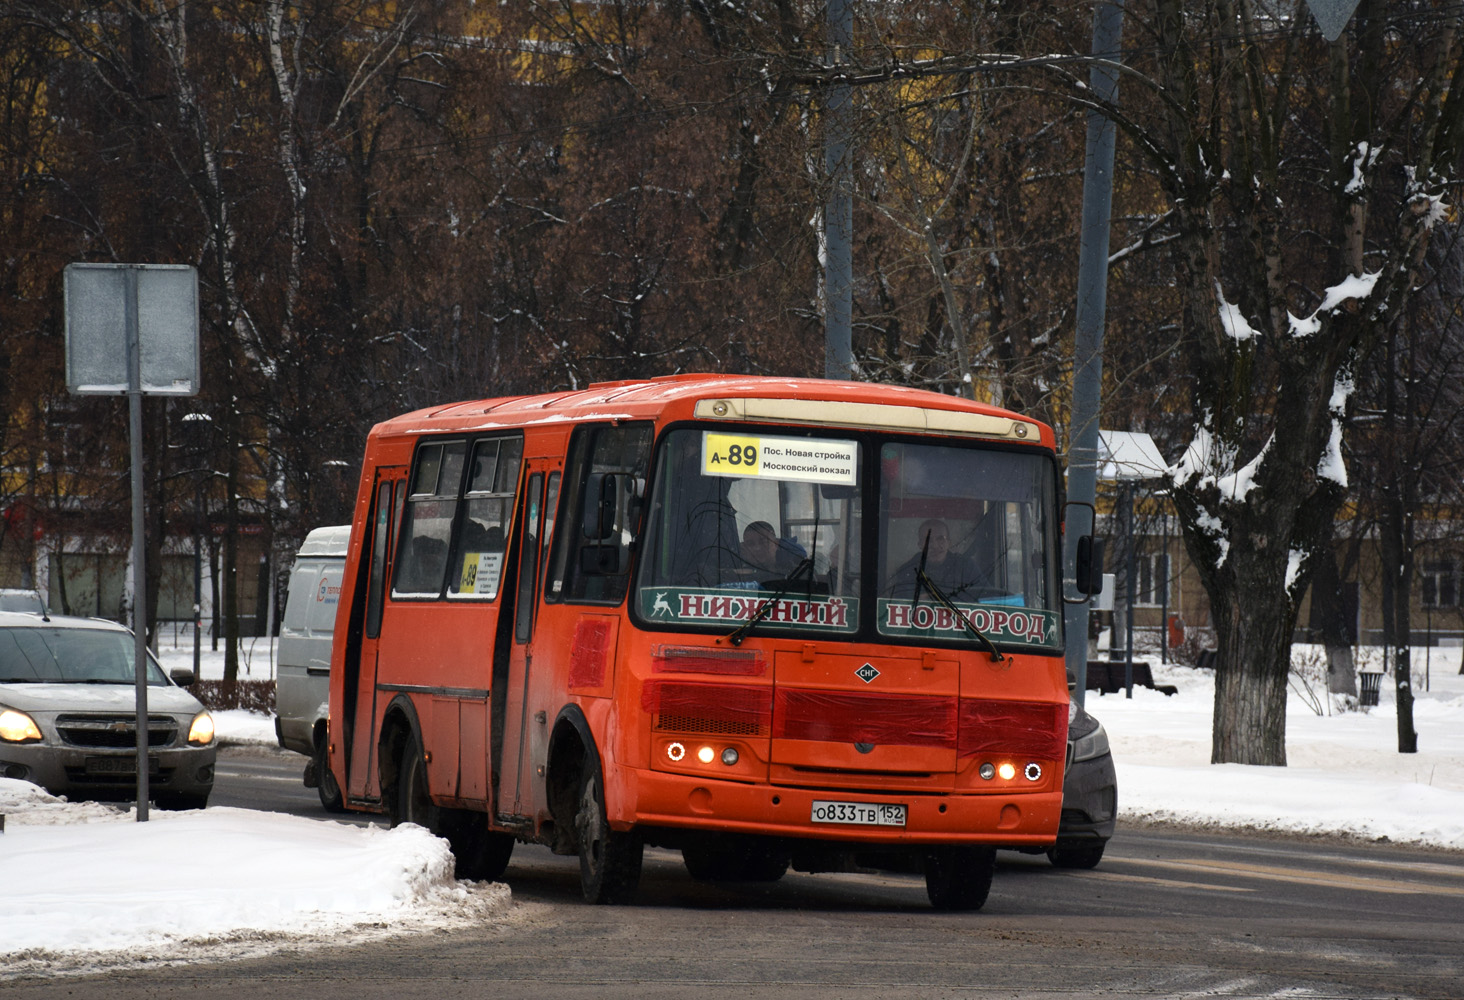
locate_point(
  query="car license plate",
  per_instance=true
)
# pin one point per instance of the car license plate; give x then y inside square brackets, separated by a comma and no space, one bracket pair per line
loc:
[118,765]
[859,813]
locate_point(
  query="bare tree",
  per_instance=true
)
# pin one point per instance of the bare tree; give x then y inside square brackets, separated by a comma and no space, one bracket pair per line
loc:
[1305,182]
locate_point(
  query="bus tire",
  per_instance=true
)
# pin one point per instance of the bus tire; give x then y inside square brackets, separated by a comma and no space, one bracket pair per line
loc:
[959,878]
[331,799]
[479,854]
[610,861]
[411,802]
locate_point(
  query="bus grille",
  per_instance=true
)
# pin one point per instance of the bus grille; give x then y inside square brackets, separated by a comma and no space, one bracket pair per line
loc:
[695,707]
[671,722]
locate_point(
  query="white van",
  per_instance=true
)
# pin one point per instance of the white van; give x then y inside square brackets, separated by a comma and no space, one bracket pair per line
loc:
[302,690]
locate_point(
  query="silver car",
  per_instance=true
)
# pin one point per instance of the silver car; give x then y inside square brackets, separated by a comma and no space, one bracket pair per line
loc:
[68,714]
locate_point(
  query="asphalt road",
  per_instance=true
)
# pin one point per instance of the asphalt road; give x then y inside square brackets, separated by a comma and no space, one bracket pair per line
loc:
[1169,913]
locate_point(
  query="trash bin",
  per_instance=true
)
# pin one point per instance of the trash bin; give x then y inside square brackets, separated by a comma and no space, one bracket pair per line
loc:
[1372,683]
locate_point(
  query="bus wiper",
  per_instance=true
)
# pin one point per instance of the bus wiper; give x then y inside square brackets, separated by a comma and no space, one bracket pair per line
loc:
[940,596]
[920,572]
[745,629]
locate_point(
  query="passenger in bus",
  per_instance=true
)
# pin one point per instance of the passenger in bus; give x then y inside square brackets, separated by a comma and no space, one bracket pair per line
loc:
[768,554]
[955,574]
[428,559]
[477,538]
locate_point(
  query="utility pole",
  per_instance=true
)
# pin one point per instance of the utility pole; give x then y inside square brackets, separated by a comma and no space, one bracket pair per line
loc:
[839,207]
[1082,476]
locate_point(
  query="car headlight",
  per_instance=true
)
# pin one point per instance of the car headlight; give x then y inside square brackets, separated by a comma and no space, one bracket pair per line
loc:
[1095,744]
[17,727]
[201,733]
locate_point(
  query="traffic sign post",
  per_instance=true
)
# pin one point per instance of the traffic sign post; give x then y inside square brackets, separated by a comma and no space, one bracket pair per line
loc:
[133,329]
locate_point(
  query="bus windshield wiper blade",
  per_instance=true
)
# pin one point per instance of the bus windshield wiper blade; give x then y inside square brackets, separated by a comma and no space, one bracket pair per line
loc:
[939,595]
[745,629]
[920,572]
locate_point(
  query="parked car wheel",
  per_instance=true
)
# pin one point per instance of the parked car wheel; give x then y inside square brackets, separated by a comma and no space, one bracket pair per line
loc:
[1076,856]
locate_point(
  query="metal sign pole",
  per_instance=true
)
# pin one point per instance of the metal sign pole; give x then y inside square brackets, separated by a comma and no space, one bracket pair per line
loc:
[106,303]
[139,522]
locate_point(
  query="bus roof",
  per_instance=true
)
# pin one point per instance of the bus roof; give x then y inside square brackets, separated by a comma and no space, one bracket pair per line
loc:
[751,398]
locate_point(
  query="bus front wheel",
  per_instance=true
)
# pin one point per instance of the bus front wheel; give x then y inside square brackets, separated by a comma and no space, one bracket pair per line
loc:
[411,803]
[610,861]
[959,878]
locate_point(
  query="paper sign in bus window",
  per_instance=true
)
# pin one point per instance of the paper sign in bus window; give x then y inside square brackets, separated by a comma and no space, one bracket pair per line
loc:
[481,573]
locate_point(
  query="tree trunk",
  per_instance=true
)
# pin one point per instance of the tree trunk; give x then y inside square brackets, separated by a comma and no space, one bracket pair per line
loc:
[1329,616]
[230,568]
[1253,659]
[1397,555]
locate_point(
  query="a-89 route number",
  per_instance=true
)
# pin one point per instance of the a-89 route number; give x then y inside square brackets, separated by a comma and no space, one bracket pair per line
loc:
[741,454]
[728,454]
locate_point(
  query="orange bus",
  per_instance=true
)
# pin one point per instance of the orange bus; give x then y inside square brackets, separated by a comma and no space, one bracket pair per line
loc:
[766,622]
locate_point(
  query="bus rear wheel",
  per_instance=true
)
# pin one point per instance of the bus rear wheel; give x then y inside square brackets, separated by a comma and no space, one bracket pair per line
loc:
[479,854]
[959,878]
[610,861]
[331,799]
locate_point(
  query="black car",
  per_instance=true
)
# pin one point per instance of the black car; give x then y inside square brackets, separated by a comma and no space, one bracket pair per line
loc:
[1089,794]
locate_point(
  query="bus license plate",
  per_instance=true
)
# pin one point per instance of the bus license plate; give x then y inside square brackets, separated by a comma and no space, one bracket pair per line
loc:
[859,813]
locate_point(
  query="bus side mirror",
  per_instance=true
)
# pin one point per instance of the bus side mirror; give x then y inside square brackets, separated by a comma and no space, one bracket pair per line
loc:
[1088,565]
[1087,556]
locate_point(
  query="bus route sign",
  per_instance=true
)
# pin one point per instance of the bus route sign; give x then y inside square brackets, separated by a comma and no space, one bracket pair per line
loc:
[804,460]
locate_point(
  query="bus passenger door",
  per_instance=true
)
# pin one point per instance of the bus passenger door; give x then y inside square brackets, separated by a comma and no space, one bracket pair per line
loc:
[524,735]
[389,493]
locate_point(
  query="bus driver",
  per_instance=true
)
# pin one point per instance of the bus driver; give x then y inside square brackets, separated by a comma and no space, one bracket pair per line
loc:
[955,574]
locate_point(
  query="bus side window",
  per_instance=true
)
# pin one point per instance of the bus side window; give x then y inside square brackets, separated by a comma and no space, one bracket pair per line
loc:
[375,593]
[528,561]
[479,559]
[604,491]
[421,562]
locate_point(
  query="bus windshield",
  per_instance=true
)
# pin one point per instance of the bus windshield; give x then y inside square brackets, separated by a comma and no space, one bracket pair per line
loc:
[738,518]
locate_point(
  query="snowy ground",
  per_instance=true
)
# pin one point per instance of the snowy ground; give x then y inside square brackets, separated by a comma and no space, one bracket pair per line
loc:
[88,888]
